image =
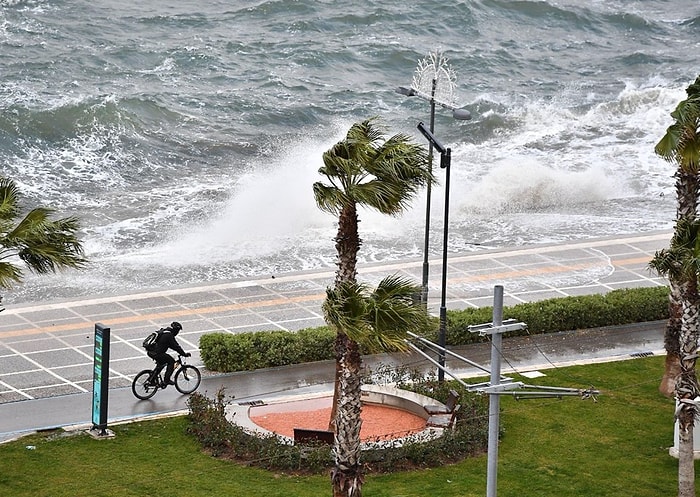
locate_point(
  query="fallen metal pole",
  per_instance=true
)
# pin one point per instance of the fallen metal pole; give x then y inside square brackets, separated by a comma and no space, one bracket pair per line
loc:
[436,363]
[448,352]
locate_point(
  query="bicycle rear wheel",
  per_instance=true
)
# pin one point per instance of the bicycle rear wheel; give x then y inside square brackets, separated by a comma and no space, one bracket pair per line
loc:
[187,379]
[141,387]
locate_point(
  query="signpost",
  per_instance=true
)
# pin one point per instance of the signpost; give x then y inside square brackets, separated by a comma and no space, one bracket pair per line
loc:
[100,380]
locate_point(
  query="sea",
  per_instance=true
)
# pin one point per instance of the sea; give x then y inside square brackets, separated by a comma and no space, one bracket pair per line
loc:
[186,135]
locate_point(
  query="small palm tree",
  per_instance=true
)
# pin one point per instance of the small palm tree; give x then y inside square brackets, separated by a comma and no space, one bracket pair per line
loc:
[382,174]
[681,262]
[44,245]
[379,321]
[681,147]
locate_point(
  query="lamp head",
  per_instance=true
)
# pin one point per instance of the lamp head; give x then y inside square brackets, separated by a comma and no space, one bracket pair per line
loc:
[431,138]
[461,114]
[409,92]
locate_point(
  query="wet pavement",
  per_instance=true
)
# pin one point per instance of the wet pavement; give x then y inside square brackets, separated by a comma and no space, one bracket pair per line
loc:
[46,364]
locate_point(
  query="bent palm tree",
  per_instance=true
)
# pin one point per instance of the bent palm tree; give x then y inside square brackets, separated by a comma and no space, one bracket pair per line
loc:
[681,146]
[378,321]
[42,244]
[681,262]
[363,169]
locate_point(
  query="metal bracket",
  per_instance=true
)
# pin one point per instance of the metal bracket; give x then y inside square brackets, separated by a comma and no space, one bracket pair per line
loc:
[490,329]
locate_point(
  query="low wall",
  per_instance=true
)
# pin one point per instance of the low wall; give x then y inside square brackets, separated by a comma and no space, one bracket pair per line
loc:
[239,414]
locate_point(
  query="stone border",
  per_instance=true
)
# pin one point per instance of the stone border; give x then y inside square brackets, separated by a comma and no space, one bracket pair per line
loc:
[389,396]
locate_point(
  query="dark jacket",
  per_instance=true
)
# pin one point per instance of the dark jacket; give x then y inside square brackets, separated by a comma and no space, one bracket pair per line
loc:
[166,341]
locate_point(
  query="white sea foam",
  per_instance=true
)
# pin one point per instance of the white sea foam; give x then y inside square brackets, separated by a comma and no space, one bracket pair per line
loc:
[186,168]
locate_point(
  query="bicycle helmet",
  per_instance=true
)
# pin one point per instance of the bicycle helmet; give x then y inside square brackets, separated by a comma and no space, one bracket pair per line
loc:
[176,327]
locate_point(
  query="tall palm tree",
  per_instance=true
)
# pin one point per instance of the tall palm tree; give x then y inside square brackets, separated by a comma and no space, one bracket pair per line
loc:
[681,147]
[681,262]
[383,174]
[44,245]
[378,321]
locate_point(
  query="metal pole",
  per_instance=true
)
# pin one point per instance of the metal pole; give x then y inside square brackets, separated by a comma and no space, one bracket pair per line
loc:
[494,400]
[445,161]
[426,243]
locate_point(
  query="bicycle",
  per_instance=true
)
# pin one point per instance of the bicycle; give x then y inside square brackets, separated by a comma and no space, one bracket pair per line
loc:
[149,381]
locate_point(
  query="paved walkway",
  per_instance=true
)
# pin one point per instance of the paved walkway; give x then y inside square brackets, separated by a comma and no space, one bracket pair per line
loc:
[46,350]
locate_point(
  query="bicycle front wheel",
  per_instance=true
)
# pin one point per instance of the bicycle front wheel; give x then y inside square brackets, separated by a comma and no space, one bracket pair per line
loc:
[187,379]
[141,387]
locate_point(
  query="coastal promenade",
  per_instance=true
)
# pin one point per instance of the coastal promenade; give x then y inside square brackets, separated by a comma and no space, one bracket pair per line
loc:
[46,364]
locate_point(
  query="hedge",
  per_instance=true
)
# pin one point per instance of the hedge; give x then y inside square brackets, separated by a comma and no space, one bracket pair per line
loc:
[225,352]
[618,307]
[263,349]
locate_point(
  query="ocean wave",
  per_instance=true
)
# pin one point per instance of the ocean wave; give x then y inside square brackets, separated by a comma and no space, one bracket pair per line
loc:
[541,11]
[175,130]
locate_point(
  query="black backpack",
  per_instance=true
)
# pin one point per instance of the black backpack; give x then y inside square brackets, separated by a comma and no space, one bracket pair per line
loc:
[149,343]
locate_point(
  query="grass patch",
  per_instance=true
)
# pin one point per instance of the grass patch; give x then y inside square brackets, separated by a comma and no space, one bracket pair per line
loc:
[617,446]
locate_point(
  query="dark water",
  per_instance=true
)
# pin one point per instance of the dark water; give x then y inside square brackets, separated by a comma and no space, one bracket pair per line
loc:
[186,135]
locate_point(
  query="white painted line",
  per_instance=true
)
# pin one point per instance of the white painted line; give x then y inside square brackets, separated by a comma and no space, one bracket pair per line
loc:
[47,370]
[13,389]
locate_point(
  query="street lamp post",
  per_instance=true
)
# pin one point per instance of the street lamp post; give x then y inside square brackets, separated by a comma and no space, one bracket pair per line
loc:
[445,162]
[433,71]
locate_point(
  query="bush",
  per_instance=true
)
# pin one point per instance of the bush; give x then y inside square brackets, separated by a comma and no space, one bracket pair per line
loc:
[264,349]
[208,424]
[615,308]
[225,352]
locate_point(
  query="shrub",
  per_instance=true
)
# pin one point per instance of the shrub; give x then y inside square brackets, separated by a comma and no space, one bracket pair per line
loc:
[247,351]
[226,353]
[208,424]
[615,308]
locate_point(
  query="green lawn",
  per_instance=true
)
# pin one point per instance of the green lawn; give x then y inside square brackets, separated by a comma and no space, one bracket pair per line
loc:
[569,447]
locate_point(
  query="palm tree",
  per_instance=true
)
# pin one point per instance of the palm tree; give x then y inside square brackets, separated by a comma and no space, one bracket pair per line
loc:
[363,169]
[681,262]
[42,244]
[378,321]
[681,146]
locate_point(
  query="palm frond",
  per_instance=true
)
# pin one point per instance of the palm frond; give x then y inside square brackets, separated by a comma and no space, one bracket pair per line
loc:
[9,194]
[681,142]
[10,274]
[329,198]
[379,319]
[384,175]
[46,245]
[681,260]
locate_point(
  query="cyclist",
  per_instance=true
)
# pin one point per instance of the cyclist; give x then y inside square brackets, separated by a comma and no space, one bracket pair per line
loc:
[166,340]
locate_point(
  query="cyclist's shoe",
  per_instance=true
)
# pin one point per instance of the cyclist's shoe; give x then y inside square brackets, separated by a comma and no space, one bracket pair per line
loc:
[168,382]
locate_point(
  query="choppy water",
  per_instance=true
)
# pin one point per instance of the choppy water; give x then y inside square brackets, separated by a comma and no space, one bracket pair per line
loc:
[186,135]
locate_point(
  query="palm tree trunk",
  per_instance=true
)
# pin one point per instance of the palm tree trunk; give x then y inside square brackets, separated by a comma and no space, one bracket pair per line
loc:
[687,186]
[687,389]
[345,421]
[346,476]
[686,452]
[672,367]
[347,245]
